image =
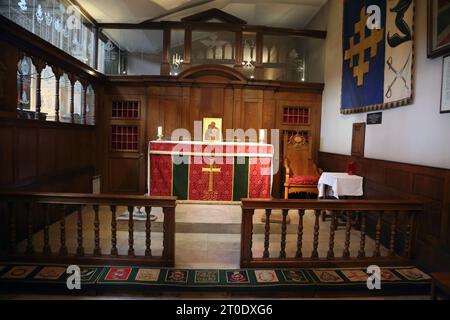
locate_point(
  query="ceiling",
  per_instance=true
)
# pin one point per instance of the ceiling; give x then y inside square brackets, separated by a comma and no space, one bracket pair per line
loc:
[273,13]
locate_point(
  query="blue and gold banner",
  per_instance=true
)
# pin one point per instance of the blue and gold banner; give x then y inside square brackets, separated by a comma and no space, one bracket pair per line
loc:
[378,47]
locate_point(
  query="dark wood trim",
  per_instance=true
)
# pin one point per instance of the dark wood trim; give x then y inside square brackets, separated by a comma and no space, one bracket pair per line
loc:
[358,139]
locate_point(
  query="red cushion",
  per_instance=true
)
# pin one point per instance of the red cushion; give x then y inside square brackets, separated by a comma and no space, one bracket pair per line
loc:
[304,180]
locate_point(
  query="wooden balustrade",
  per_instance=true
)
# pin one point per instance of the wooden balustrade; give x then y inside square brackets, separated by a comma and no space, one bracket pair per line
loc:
[38,205]
[356,213]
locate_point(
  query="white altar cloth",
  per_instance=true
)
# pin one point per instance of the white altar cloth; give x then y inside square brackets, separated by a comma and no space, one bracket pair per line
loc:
[342,184]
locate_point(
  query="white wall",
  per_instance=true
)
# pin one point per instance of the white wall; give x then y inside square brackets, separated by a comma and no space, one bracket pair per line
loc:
[416,134]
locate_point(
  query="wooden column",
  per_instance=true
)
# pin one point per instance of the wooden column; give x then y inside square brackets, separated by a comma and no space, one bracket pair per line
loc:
[72,98]
[187,45]
[267,234]
[393,235]
[238,49]
[80,248]
[299,254]
[58,74]
[169,236]
[148,227]
[114,251]
[30,229]
[12,229]
[247,237]
[46,249]
[84,106]
[315,252]
[39,66]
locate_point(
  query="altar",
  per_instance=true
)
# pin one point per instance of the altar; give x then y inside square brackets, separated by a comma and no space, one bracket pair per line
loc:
[210,171]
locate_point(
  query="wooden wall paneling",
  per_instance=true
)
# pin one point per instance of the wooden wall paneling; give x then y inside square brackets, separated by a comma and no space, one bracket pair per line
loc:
[228,110]
[358,139]
[26,157]
[154,113]
[7,158]
[392,180]
[47,151]
[237,108]
[172,109]
[9,58]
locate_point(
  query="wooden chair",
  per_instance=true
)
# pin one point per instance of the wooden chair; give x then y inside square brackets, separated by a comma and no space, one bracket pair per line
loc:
[302,174]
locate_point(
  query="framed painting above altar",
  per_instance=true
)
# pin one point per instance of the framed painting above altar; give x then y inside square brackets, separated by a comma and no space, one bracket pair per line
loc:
[212,129]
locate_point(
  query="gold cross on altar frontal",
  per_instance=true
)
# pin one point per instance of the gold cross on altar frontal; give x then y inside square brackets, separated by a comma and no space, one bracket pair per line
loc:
[211,170]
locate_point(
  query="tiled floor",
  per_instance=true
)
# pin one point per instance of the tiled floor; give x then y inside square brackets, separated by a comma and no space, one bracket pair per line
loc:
[196,248]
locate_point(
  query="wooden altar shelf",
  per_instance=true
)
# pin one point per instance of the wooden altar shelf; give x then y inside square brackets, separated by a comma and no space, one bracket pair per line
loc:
[400,242]
[22,209]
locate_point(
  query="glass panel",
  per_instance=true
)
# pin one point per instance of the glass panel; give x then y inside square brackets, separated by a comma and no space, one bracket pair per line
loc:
[90,105]
[248,54]
[64,99]
[78,102]
[56,21]
[216,47]
[133,51]
[24,74]
[176,51]
[48,93]
[293,58]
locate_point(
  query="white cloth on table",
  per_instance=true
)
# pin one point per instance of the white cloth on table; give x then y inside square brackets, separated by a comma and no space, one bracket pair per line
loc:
[342,184]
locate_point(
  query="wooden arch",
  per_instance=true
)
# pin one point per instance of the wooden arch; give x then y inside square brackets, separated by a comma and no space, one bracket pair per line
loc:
[212,73]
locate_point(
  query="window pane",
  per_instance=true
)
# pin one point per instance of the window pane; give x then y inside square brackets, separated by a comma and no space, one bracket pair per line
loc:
[78,102]
[292,58]
[133,51]
[176,51]
[56,21]
[48,93]
[64,99]
[90,105]
[24,71]
[213,47]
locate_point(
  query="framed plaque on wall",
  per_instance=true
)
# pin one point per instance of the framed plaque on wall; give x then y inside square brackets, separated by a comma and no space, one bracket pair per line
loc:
[445,91]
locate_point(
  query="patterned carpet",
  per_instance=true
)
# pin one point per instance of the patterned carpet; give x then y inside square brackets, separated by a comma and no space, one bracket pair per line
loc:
[141,278]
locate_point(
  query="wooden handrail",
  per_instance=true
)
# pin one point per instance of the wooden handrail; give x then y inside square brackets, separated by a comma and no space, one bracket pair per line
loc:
[36,205]
[88,198]
[356,214]
[363,205]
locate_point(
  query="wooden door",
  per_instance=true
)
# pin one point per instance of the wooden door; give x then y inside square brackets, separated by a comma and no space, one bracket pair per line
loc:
[127,144]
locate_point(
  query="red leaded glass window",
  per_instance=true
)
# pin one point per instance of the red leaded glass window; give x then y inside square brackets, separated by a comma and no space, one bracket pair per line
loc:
[125,109]
[124,138]
[295,115]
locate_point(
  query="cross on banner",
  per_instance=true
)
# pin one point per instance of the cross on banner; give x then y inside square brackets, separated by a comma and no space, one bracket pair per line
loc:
[211,170]
[370,42]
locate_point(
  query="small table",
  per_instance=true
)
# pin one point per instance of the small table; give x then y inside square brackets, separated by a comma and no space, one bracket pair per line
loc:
[440,285]
[339,185]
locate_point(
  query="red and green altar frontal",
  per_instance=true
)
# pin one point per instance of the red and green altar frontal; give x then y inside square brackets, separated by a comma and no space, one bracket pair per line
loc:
[218,171]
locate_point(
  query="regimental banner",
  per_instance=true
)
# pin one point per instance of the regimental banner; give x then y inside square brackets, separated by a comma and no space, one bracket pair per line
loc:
[217,171]
[378,64]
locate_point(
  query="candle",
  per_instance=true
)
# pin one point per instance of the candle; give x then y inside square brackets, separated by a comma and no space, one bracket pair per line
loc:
[160,131]
[262,135]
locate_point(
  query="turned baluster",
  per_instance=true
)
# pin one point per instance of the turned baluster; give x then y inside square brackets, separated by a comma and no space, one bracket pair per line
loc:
[12,229]
[377,252]
[362,245]
[80,249]
[148,230]
[58,74]
[283,234]
[267,234]
[30,248]
[301,214]
[348,229]
[130,231]
[315,252]
[114,251]
[46,249]
[330,254]
[393,235]
[408,237]
[72,98]
[62,232]
[97,249]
